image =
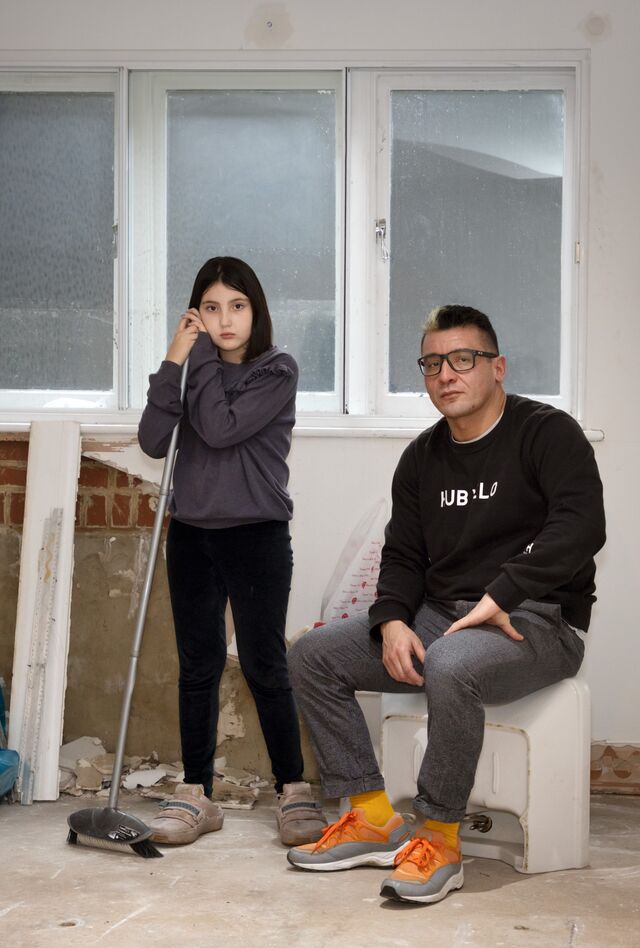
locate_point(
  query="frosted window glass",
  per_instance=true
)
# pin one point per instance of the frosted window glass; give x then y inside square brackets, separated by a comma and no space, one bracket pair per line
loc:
[56,256]
[251,174]
[476,215]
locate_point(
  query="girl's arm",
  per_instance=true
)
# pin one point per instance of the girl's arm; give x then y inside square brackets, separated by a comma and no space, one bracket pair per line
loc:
[221,423]
[164,408]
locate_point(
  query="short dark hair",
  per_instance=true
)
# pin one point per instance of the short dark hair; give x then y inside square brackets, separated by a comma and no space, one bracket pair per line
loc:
[239,276]
[453,316]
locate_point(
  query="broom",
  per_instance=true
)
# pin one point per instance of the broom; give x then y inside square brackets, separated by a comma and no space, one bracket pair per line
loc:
[108,827]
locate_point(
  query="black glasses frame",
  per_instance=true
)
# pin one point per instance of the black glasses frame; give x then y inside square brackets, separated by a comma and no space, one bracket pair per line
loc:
[472,352]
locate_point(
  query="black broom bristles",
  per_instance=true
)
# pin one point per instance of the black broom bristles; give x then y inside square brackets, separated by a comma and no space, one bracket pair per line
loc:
[144,847]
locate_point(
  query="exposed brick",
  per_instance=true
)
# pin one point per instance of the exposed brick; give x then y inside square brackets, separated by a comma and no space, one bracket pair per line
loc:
[121,510]
[85,500]
[14,450]
[96,511]
[122,479]
[146,512]
[16,508]
[78,511]
[3,508]
[16,476]
[93,474]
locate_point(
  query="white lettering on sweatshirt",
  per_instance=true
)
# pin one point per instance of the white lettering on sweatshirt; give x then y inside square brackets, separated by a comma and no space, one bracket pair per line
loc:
[461,497]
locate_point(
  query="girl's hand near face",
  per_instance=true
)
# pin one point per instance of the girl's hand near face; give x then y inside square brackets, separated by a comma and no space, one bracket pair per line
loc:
[189,327]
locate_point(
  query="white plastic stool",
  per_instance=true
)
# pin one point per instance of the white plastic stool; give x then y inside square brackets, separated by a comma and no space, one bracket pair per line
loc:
[532,776]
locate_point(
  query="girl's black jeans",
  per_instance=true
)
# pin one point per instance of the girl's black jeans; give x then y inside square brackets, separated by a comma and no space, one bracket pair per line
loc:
[250,565]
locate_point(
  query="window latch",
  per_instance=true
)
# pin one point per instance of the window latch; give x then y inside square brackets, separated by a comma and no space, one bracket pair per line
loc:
[381,238]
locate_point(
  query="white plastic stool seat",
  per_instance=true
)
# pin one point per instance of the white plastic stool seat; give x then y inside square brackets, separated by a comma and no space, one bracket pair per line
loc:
[532,776]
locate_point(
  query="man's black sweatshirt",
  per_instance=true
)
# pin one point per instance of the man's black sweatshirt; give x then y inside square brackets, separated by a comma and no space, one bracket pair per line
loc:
[517,513]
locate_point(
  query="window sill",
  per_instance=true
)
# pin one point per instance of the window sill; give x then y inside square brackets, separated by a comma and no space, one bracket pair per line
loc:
[124,430]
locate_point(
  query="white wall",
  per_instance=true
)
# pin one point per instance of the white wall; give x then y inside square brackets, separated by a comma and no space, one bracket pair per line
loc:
[335,480]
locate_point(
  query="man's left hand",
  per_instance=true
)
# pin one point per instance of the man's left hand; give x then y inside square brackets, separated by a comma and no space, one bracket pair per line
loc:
[487,612]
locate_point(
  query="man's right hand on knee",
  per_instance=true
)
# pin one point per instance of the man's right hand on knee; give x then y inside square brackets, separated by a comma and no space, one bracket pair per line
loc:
[400,645]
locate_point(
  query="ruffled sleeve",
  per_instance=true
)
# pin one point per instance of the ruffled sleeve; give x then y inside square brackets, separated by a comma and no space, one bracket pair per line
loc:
[223,419]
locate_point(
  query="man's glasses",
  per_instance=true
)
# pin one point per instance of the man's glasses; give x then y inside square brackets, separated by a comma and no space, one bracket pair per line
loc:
[460,360]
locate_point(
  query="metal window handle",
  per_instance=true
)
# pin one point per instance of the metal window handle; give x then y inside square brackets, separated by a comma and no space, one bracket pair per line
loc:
[381,238]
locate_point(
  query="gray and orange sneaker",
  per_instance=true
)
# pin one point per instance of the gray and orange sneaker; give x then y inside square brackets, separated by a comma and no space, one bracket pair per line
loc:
[426,870]
[353,841]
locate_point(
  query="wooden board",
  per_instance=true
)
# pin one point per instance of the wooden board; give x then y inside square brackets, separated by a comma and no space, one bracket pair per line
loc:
[52,485]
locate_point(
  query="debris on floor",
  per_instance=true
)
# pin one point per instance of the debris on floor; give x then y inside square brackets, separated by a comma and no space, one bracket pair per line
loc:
[241,778]
[235,789]
[87,748]
[144,778]
[104,764]
[76,771]
[86,768]
[87,777]
[231,796]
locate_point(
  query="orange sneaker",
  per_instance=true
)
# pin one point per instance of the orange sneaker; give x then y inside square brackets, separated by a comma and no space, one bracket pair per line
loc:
[353,841]
[425,870]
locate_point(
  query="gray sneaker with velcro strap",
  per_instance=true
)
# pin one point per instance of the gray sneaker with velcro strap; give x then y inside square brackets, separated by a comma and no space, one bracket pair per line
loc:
[185,816]
[300,817]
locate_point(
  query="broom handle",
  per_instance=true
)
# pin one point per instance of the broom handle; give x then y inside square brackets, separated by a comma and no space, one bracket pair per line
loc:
[163,498]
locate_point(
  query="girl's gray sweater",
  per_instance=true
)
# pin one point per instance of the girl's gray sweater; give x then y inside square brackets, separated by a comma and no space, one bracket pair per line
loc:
[235,435]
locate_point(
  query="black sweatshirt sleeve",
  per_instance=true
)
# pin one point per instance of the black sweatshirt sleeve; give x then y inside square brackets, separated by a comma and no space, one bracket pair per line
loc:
[404,554]
[562,462]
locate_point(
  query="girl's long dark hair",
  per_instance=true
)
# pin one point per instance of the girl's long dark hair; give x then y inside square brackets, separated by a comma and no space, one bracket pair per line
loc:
[239,276]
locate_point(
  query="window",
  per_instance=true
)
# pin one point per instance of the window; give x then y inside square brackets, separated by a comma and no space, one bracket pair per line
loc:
[362,197]
[57,278]
[246,165]
[475,204]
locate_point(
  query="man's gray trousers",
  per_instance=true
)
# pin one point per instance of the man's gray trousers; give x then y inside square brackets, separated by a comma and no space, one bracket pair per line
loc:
[462,672]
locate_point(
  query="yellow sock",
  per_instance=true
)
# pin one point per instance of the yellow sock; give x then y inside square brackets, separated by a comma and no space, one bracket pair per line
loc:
[449,831]
[376,806]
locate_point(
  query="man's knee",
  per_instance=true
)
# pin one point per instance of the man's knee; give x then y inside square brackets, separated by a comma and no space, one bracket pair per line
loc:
[447,665]
[325,650]
[302,658]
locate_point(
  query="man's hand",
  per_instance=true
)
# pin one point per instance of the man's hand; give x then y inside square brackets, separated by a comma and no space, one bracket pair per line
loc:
[399,645]
[487,612]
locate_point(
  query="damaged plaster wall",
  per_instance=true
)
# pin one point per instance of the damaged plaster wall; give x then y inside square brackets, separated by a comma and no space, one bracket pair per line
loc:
[109,571]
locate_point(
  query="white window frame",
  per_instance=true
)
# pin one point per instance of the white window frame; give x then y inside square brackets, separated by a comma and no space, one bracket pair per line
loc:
[361,344]
[71,402]
[370,144]
[148,191]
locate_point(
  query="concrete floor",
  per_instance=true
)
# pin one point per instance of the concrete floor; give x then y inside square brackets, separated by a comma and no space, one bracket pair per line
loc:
[235,888]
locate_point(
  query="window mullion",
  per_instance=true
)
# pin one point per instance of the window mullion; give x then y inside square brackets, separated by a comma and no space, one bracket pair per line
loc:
[384,242]
[361,319]
[148,241]
[121,239]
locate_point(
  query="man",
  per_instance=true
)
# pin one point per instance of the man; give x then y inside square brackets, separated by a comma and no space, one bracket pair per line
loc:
[486,586]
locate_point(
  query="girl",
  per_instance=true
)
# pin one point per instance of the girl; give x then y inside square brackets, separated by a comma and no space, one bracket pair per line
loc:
[229,537]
